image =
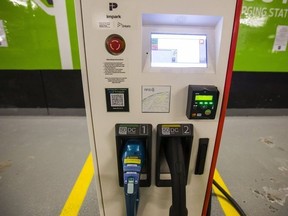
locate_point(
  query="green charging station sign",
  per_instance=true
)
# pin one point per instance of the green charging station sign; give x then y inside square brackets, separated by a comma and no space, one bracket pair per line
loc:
[263,37]
[41,34]
[38,34]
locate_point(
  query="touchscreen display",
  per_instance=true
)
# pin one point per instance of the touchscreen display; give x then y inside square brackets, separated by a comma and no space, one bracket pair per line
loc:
[178,50]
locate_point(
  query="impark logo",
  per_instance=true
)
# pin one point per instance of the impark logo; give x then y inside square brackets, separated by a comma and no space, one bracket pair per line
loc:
[112,6]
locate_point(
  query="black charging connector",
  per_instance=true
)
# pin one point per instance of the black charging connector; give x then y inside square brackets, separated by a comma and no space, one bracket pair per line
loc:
[173,148]
[165,132]
[175,159]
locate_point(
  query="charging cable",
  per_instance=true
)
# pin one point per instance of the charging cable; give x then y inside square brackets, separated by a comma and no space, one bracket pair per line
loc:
[133,159]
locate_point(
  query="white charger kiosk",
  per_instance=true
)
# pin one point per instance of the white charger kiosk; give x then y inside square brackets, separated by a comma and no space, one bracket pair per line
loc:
[156,78]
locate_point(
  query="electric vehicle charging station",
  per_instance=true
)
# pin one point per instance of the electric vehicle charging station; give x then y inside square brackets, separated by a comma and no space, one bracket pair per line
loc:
[156,78]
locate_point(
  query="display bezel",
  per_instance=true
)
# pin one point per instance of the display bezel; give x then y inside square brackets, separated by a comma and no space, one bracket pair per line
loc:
[211,52]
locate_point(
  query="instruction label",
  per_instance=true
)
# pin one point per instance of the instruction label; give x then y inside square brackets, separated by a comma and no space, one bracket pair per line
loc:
[156,99]
[115,70]
[281,39]
[3,39]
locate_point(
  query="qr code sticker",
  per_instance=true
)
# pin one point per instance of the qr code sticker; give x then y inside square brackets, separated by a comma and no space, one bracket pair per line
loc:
[165,131]
[123,130]
[117,100]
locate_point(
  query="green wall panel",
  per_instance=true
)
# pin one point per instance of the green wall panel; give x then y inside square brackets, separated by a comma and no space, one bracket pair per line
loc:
[73,33]
[32,36]
[257,35]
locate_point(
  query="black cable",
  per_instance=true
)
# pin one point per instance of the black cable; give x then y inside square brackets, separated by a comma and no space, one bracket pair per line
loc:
[175,159]
[231,200]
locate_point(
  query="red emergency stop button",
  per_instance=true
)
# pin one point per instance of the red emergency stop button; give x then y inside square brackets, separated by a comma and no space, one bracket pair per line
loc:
[115,44]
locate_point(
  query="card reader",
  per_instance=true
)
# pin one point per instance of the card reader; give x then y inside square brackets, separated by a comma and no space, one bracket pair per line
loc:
[202,102]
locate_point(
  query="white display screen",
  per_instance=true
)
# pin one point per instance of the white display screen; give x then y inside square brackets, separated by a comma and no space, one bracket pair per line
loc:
[178,50]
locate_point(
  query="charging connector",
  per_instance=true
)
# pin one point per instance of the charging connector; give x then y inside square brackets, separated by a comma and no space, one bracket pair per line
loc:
[175,158]
[133,159]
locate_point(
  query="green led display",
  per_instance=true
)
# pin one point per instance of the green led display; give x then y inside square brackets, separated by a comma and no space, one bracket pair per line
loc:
[203,97]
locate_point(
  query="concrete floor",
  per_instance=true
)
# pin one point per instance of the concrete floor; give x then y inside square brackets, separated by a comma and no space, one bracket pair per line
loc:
[253,162]
[41,157]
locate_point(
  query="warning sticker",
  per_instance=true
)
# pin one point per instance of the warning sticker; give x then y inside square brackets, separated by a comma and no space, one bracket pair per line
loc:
[132,161]
[156,99]
[3,39]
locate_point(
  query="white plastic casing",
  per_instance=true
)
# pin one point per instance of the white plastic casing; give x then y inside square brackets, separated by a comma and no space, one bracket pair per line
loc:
[135,21]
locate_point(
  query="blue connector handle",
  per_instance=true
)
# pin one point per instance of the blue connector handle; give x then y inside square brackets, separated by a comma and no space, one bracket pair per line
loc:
[133,157]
